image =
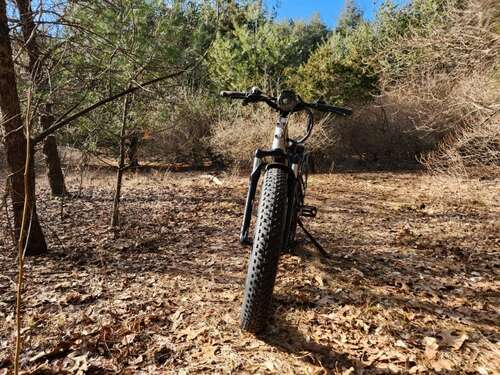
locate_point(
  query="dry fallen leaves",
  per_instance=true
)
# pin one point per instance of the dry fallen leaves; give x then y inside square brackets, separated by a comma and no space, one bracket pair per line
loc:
[452,339]
[164,296]
[442,364]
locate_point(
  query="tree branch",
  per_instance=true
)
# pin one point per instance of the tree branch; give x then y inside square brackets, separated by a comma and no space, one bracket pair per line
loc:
[63,122]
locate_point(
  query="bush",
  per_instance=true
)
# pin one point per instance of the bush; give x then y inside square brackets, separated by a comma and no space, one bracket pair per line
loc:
[448,75]
[179,131]
[339,71]
[378,134]
[236,137]
[433,65]
[260,52]
[472,147]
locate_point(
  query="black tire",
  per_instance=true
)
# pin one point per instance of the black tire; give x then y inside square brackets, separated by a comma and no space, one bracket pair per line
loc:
[267,246]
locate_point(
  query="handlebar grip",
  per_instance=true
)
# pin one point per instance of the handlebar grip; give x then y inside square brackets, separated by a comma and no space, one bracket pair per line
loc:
[342,111]
[233,94]
[330,108]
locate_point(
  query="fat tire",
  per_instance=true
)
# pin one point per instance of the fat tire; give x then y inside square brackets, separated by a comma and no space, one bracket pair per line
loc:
[267,245]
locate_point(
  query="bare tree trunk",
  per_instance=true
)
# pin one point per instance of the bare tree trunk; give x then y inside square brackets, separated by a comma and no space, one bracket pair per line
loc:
[121,166]
[54,170]
[133,150]
[55,175]
[15,144]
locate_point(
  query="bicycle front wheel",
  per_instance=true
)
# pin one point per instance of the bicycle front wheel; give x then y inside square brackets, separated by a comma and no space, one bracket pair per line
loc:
[267,245]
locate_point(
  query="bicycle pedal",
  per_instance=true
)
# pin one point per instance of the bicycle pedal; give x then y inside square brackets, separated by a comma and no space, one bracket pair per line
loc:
[308,211]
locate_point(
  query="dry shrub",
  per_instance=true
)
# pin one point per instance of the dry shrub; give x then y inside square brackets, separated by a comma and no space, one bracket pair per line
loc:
[452,87]
[235,137]
[178,132]
[472,147]
[473,150]
[380,134]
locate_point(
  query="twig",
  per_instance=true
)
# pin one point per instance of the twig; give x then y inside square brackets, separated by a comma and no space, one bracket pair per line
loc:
[13,130]
[23,242]
[10,227]
[54,233]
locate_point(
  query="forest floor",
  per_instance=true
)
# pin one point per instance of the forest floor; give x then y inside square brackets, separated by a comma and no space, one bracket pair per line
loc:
[412,285]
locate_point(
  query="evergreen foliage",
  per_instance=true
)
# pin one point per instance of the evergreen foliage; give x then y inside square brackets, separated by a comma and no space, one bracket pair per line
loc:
[108,45]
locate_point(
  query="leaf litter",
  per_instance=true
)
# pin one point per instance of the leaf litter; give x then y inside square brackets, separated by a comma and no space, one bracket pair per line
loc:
[412,285]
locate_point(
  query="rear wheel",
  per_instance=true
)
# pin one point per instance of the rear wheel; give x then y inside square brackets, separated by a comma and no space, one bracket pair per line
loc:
[267,245]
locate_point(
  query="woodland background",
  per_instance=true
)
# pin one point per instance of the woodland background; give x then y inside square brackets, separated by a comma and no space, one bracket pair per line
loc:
[423,79]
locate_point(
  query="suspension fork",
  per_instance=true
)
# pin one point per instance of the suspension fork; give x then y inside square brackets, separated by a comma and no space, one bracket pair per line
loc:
[253,182]
[252,188]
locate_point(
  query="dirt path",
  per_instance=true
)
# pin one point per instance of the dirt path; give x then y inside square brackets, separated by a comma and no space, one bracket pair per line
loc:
[412,286]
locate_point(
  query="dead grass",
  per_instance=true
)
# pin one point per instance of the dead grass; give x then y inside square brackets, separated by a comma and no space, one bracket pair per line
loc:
[412,285]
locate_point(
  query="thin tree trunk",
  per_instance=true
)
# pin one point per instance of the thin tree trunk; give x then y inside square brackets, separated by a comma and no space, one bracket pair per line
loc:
[115,214]
[133,150]
[55,174]
[54,170]
[15,144]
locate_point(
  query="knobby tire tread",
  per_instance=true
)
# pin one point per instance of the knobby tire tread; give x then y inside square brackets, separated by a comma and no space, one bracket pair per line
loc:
[267,246]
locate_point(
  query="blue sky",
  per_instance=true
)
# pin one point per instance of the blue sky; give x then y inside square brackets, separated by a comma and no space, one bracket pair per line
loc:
[328,9]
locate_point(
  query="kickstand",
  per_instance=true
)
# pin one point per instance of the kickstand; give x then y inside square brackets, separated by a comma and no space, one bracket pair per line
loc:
[320,248]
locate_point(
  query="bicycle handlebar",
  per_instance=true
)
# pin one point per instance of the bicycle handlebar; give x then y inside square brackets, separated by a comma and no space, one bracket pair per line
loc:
[233,94]
[323,107]
[253,96]
[258,97]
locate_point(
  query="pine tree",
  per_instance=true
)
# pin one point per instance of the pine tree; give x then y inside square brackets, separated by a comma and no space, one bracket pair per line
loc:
[350,18]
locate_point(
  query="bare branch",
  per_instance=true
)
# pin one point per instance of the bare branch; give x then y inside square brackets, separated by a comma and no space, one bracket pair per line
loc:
[59,124]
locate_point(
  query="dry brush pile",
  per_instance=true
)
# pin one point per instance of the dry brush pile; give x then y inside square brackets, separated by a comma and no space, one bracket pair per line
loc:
[448,83]
[235,138]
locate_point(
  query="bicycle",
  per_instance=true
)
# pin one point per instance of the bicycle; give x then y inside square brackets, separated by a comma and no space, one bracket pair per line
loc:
[281,201]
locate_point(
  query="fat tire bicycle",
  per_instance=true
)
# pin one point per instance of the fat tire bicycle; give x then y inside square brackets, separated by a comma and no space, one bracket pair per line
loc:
[281,203]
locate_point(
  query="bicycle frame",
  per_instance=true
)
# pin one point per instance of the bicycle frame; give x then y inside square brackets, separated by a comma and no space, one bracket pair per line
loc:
[286,154]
